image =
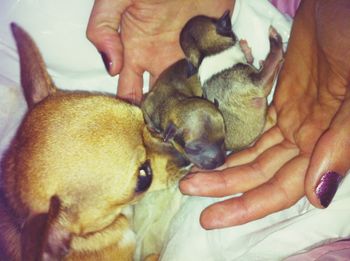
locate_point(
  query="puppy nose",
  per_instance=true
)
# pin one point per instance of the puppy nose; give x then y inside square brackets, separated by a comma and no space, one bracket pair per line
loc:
[220,159]
[213,163]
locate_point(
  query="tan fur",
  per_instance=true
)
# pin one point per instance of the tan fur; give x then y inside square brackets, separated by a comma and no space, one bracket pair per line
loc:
[241,93]
[200,38]
[72,171]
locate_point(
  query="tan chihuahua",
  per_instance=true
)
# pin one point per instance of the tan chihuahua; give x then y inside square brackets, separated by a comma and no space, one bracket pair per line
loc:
[78,161]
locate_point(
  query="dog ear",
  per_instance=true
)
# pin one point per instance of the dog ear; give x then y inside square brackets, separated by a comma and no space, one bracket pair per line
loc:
[223,25]
[35,80]
[43,238]
[191,69]
[169,132]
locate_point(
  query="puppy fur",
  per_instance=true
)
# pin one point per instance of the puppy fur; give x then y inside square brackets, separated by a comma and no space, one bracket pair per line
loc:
[175,108]
[241,90]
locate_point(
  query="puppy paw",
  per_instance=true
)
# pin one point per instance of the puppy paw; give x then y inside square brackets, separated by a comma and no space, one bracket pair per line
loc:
[246,50]
[276,44]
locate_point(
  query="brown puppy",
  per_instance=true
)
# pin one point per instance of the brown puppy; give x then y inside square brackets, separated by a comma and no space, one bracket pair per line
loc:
[76,164]
[174,107]
[241,90]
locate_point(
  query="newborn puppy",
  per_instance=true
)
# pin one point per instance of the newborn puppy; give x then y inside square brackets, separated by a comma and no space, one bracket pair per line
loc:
[174,107]
[240,89]
[76,164]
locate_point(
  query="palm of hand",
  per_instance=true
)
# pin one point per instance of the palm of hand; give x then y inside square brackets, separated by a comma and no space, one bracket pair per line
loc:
[150,40]
[150,36]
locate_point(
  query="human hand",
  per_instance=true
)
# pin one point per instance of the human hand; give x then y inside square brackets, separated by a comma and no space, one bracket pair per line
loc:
[307,150]
[148,38]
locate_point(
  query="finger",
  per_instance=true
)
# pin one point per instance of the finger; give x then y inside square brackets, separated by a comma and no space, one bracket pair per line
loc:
[330,159]
[241,178]
[271,118]
[284,190]
[130,83]
[102,31]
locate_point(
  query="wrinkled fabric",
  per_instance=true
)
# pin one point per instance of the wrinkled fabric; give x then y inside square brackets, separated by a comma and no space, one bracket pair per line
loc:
[297,229]
[337,251]
[287,7]
[58,28]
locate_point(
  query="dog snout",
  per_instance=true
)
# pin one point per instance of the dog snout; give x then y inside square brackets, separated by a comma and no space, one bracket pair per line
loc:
[210,157]
[212,163]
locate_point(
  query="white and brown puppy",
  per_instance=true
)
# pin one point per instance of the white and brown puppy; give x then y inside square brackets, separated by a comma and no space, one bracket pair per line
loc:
[76,163]
[240,90]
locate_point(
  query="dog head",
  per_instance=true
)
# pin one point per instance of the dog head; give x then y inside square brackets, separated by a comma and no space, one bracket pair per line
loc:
[203,36]
[77,161]
[195,127]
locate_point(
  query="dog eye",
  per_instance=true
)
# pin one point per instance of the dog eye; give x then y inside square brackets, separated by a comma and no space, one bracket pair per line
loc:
[226,33]
[144,178]
[193,150]
[179,140]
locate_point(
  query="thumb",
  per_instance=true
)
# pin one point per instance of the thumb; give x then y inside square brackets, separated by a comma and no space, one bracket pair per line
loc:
[102,31]
[330,160]
[130,83]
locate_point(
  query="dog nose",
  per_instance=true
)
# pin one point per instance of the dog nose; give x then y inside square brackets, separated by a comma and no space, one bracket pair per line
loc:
[214,158]
[213,163]
[220,159]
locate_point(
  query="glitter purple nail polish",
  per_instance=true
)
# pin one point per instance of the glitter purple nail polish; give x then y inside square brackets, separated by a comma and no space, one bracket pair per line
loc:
[327,187]
[106,61]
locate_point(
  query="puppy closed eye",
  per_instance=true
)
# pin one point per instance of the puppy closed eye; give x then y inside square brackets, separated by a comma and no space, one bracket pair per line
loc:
[144,178]
[193,150]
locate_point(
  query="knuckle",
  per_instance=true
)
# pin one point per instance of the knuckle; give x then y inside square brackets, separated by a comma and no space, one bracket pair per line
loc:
[259,171]
[92,34]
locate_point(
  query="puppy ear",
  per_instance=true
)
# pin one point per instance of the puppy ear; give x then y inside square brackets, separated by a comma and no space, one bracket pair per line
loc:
[191,69]
[216,103]
[43,238]
[223,25]
[35,80]
[169,132]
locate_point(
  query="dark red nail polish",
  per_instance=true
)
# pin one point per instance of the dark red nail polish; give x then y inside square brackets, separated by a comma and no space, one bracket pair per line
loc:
[106,61]
[327,187]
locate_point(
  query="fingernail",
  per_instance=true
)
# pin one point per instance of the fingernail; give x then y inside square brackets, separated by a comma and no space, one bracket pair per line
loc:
[187,176]
[327,187]
[106,61]
[186,187]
